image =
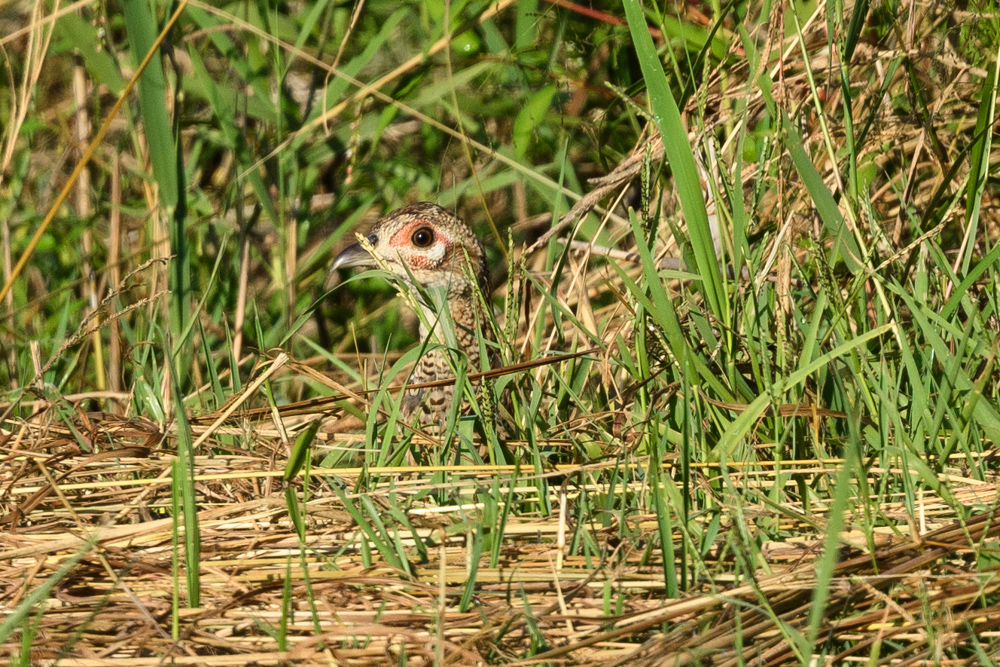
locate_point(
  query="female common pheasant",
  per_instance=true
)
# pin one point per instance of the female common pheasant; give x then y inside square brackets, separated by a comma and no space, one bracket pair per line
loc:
[442,262]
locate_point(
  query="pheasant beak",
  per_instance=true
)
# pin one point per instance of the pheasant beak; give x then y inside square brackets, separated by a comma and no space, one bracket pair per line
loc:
[354,255]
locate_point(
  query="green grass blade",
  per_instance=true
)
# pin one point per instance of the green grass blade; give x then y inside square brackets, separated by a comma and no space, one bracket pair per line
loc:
[142,31]
[843,491]
[300,451]
[686,175]
[979,159]
[845,247]
[163,154]
[184,483]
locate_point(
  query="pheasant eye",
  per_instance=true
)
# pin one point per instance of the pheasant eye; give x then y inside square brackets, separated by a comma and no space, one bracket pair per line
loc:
[423,237]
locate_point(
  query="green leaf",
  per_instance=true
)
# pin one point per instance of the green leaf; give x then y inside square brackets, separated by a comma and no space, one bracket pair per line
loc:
[530,117]
[295,512]
[75,33]
[300,451]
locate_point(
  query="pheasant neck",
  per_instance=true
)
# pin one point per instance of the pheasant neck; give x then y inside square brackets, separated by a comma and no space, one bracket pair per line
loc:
[455,322]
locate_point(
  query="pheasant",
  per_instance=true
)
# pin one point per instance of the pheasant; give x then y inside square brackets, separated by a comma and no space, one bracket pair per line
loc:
[427,247]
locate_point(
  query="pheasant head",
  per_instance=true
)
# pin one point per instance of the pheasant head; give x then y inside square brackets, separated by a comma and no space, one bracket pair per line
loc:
[424,244]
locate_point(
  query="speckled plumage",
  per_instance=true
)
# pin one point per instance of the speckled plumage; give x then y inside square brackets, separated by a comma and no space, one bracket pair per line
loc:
[424,245]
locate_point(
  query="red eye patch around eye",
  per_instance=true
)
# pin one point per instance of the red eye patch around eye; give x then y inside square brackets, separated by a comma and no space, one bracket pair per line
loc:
[420,236]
